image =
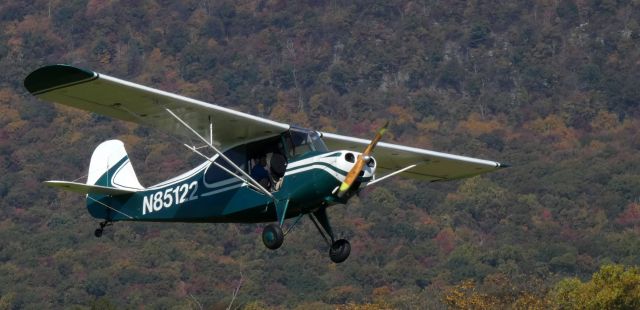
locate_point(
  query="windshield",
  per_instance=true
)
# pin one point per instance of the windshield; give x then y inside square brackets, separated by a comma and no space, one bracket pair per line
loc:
[304,141]
[317,142]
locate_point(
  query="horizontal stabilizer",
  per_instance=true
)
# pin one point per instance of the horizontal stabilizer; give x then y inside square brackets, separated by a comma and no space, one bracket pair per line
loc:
[89,189]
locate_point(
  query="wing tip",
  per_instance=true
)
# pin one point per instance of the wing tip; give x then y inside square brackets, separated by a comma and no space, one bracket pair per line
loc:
[55,76]
[501,165]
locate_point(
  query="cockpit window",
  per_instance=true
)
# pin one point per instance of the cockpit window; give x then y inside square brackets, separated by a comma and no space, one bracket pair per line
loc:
[304,141]
[216,174]
[301,143]
[317,142]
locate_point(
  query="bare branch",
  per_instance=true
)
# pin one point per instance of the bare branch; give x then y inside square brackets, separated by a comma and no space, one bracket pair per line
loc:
[196,301]
[236,291]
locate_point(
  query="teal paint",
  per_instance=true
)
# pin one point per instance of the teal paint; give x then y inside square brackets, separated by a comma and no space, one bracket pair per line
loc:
[303,192]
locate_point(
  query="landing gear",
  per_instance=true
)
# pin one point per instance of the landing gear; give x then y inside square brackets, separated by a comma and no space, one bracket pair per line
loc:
[272,236]
[339,250]
[98,232]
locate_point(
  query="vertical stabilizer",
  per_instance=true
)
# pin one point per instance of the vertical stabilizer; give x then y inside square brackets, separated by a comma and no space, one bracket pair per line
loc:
[110,166]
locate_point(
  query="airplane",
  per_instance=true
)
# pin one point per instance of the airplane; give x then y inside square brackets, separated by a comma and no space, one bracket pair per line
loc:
[261,171]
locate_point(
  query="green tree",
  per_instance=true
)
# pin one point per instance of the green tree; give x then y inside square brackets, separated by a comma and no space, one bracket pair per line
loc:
[612,287]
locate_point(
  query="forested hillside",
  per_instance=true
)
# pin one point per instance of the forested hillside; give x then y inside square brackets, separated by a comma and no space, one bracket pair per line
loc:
[551,87]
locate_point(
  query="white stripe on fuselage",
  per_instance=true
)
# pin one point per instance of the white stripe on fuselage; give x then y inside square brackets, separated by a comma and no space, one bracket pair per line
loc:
[225,189]
[291,170]
[324,158]
[333,173]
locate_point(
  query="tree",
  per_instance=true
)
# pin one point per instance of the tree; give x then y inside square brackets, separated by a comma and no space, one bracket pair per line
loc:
[612,287]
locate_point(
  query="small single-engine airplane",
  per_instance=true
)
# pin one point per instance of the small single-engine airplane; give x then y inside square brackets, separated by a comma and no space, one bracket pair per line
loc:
[261,171]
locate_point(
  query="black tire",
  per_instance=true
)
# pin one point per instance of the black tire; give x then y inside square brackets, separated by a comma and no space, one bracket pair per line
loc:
[98,233]
[272,236]
[339,251]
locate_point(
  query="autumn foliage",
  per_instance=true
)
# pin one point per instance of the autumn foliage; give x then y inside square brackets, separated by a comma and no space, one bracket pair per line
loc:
[550,87]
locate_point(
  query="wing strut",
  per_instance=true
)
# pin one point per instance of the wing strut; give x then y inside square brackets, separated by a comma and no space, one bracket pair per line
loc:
[391,174]
[195,150]
[110,208]
[210,130]
[248,179]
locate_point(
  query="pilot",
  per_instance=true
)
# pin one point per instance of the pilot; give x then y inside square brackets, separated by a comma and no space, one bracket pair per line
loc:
[260,173]
[278,166]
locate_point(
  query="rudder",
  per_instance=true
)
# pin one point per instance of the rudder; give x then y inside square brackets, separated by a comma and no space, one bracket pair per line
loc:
[110,166]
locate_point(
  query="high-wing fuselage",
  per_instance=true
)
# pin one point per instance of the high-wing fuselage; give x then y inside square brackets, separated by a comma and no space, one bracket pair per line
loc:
[208,194]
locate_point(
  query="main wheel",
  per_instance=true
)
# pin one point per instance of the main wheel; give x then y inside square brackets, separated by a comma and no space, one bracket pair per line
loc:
[272,236]
[339,251]
[98,233]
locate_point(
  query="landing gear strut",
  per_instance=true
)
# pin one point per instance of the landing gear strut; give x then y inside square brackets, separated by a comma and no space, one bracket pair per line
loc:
[98,232]
[339,250]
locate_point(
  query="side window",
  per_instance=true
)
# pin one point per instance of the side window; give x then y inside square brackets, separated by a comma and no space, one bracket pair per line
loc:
[301,143]
[288,148]
[216,174]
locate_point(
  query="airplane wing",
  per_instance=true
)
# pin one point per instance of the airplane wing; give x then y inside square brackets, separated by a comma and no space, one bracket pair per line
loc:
[430,165]
[106,95]
[102,94]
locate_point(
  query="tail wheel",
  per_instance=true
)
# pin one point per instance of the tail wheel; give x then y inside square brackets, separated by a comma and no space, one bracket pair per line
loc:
[98,232]
[340,251]
[272,236]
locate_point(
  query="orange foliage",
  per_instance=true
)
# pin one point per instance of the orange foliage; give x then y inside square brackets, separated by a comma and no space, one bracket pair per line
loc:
[326,124]
[94,7]
[555,131]
[300,118]
[630,216]
[6,95]
[429,125]
[16,126]
[446,240]
[381,291]
[7,113]
[475,125]
[130,139]
[604,121]
[372,306]
[596,146]
[465,296]
[198,19]
[279,113]
[286,109]
[400,115]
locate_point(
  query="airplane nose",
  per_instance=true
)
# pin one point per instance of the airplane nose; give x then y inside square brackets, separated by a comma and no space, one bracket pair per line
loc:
[348,159]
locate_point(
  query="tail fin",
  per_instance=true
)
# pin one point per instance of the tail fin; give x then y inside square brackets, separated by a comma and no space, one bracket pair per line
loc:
[110,167]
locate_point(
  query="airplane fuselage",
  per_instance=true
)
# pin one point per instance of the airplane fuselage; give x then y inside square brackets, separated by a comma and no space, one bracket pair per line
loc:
[309,183]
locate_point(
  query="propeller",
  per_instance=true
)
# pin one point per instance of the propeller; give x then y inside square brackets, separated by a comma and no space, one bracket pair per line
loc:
[355,171]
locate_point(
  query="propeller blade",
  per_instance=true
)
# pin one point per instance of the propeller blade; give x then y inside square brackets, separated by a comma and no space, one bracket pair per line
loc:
[355,171]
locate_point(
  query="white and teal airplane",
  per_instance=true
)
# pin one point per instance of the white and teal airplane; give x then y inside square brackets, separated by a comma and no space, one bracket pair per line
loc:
[261,171]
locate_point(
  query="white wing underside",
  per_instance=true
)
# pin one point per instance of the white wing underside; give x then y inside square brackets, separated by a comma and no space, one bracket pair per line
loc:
[102,94]
[136,103]
[430,165]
